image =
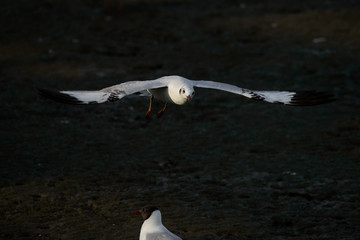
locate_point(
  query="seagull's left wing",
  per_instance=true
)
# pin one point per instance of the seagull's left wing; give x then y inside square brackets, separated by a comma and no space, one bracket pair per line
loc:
[109,94]
[295,98]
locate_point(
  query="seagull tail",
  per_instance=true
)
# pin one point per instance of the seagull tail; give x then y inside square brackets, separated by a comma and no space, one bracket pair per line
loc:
[75,97]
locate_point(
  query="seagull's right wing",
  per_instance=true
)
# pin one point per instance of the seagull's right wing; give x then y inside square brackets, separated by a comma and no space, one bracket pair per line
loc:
[109,94]
[295,98]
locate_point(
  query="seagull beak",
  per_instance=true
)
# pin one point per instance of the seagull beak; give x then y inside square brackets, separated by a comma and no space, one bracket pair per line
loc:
[188,98]
[137,213]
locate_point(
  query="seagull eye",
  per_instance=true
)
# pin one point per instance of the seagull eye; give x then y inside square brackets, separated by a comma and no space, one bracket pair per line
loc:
[181,91]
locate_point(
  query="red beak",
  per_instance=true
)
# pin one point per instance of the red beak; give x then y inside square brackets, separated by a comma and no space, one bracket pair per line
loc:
[137,213]
[188,98]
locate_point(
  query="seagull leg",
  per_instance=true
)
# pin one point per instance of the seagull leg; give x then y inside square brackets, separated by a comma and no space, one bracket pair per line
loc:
[160,113]
[149,109]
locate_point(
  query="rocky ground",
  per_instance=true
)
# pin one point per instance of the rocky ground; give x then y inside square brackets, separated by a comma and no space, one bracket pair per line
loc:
[221,167]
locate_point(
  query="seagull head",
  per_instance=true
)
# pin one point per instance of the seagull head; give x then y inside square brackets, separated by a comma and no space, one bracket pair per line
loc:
[146,211]
[181,90]
[186,94]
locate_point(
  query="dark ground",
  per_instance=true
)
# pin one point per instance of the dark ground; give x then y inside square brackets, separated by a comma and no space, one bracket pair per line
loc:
[221,167]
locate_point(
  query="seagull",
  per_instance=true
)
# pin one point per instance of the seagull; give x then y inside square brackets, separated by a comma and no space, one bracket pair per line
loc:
[152,228]
[179,90]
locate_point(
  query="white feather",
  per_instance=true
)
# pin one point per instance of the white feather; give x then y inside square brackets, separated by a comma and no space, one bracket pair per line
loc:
[153,229]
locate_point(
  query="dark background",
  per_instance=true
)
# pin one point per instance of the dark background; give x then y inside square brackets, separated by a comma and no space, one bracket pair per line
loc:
[221,167]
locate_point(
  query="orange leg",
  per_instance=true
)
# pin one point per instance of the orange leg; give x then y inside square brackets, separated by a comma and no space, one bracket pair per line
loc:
[160,113]
[149,109]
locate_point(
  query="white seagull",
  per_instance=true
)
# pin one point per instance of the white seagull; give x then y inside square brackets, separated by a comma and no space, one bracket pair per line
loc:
[152,228]
[180,90]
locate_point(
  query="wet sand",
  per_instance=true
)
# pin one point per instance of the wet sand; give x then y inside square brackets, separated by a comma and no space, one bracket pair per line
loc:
[221,167]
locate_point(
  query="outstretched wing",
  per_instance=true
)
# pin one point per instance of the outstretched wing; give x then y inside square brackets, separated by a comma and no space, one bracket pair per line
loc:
[295,98]
[109,94]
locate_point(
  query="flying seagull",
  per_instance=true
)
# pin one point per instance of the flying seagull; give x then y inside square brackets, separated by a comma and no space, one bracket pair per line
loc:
[152,228]
[180,90]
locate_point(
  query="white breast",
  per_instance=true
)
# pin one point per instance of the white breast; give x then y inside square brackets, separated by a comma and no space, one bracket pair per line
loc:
[161,94]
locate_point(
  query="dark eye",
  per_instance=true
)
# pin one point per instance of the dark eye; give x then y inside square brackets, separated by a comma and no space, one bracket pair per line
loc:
[183,91]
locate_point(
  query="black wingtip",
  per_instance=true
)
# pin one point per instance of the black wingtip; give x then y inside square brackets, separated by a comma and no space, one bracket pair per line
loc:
[311,98]
[58,96]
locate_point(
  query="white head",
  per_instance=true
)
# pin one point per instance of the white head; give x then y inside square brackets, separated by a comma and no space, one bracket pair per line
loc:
[181,90]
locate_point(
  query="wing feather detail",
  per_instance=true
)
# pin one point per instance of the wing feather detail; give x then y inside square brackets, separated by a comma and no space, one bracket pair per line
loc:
[109,94]
[75,97]
[294,98]
[310,98]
